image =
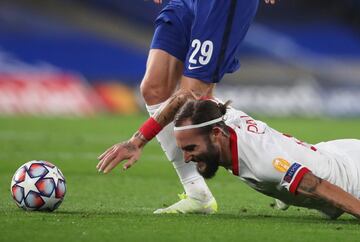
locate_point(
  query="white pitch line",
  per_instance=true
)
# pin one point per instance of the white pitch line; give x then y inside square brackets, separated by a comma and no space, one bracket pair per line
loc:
[39,136]
[73,155]
[19,135]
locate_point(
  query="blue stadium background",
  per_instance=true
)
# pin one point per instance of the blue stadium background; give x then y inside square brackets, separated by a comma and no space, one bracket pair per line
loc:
[291,44]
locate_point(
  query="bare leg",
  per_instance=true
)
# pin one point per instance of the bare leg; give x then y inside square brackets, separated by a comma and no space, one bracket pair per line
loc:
[163,74]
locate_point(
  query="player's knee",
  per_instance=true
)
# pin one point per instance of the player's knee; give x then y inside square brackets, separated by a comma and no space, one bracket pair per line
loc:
[154,92]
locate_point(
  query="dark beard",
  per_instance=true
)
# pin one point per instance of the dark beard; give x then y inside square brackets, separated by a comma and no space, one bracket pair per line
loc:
[211,158]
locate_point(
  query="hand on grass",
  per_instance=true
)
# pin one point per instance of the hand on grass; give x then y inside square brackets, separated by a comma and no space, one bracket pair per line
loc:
[129,150]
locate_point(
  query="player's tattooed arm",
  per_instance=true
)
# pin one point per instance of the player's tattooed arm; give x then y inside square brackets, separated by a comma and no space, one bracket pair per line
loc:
[308,184]
[131,149]
[138,139]
[115,154]
[317,188]
[166,113]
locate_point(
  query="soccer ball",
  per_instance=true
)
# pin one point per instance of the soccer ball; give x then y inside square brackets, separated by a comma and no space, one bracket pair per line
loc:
[38,185]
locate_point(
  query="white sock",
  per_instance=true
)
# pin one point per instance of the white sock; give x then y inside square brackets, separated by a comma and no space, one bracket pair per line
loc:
[193,183]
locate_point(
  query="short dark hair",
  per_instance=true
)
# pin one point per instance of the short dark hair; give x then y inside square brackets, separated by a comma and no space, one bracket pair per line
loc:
[199,111]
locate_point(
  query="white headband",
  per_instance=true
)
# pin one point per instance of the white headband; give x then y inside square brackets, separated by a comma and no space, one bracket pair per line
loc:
[194,126]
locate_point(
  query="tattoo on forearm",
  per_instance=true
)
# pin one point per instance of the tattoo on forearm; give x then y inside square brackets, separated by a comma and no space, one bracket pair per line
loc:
[140,136]
[165,115]
[332,194]
[309,183]
[130,147]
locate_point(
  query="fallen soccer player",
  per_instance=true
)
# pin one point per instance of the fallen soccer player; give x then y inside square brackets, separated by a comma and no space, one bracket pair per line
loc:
[325,176]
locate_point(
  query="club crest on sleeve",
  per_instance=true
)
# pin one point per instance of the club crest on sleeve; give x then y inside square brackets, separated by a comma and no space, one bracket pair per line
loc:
[281,164]
[289,175]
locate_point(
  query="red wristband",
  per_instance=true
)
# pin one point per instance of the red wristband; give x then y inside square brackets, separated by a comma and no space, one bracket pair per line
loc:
[150,129]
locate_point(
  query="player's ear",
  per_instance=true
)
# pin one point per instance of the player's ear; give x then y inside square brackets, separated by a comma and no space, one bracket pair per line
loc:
[216,131]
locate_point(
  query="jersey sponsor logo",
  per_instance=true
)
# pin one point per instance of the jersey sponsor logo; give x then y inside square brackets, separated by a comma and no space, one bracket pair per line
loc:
[281,164]
[289,175]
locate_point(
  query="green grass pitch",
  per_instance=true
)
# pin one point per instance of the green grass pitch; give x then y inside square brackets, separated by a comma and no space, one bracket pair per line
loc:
[119,206]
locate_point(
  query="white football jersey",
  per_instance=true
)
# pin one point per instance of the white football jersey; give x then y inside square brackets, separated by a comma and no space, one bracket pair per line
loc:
[274,163]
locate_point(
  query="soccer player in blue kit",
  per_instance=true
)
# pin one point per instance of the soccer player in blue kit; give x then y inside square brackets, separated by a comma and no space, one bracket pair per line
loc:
[195,43]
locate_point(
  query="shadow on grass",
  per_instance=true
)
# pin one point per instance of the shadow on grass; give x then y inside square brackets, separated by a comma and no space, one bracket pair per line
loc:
[289,218]
[241,217]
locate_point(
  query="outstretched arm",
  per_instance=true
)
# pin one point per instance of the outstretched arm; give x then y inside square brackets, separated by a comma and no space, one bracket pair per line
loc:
[130,150]
[315,187]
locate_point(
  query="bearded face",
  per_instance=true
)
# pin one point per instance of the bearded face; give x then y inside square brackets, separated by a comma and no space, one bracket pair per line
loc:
[199,148]
[207,162]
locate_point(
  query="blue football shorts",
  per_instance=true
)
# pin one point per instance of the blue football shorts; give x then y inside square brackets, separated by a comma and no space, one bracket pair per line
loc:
[204,34]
